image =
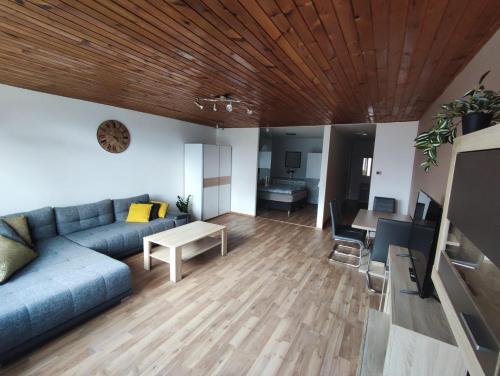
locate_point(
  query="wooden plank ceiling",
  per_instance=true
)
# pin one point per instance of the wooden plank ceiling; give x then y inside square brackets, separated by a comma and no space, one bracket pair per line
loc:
[295,62]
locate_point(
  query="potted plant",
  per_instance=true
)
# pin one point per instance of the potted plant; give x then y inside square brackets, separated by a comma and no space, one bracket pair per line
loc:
[477,109]
[183,204]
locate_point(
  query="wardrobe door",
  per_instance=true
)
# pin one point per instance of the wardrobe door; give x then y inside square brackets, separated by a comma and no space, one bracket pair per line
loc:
[193,178]
[225,179]
[210,181]
[210,202]
[210,161]
[224,199]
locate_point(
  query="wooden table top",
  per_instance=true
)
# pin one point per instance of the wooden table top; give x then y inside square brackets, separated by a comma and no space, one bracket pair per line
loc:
[367,219]
[185,234]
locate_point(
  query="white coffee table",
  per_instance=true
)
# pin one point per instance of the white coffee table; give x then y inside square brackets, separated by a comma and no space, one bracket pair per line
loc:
[182,243]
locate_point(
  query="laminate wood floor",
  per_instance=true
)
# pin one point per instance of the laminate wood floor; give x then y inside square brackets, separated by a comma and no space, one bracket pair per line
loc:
[305,216]
[273,305]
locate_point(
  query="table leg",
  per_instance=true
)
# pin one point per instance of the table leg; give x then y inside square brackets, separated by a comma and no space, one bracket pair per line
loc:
[147,253]
[175,264]
[223,245]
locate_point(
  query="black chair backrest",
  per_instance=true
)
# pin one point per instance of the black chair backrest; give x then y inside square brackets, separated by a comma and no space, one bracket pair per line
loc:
[335,216]
[384,204]
[389,232]
[419,211]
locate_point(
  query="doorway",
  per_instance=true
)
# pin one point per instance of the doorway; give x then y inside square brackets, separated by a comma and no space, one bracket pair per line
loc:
[360,140]
[289,168]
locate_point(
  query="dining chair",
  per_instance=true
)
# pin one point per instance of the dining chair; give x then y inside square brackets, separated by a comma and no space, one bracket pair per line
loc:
[345,234]
[389,232]
[384,204]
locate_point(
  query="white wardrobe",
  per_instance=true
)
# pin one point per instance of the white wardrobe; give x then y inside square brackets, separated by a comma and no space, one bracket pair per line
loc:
[207,178]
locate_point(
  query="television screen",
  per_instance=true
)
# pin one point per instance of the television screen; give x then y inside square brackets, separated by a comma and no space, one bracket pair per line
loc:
[423,241]
[292,159]
[474,201]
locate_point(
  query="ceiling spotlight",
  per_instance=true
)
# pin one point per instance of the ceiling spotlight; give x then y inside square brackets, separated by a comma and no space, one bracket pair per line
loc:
[371,115]
[225,100]
[370,111]
[198,104]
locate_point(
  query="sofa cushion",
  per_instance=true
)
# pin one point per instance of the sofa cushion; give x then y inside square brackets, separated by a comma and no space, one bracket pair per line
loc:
[42,223]
[8,231]
[139,212]
[155,209]
[66,280]
[119,239]
[163,208]
[13,256]
[122,205]
[20,224]
[82,217]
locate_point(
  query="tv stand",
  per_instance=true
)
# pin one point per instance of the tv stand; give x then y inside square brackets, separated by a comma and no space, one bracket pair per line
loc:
[411,335]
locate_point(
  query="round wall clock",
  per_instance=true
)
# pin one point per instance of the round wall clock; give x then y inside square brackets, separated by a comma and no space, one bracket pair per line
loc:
[113,136]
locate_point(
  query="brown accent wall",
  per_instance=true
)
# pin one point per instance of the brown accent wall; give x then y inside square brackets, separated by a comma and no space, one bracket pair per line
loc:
[337,171]
[434,181]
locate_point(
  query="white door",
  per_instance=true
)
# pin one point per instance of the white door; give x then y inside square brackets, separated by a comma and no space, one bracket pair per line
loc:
[210,161]
[225,179]
[224,198]
[393,163]
[225,161]
[210,202]
[210,181]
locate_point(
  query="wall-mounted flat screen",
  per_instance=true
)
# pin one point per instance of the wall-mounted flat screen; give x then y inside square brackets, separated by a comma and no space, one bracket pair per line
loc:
[292,159]
[423,241]
[475,200]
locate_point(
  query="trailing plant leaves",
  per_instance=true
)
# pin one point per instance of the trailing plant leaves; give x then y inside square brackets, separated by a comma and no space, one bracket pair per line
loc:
[485,74]
[445,128]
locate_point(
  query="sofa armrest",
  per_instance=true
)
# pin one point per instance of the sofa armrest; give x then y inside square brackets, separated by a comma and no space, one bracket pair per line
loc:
[177,215]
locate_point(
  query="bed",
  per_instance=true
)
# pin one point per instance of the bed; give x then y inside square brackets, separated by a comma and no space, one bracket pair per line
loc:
[282,196]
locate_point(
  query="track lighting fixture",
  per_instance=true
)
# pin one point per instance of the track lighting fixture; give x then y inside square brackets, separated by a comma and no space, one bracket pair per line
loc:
[198,104]
[225,99]
[371,115]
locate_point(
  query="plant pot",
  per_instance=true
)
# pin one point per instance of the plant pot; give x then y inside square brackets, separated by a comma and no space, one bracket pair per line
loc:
[475,121]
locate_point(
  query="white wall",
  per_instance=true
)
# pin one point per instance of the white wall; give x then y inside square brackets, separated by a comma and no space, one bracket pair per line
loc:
[50,155]
[245,148]
[325,156]
[393,157]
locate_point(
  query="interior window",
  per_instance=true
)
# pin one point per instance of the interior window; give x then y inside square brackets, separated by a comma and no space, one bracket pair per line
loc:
[367,167]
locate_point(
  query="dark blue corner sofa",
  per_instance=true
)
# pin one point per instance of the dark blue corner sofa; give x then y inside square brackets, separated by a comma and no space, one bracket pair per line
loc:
[76,274]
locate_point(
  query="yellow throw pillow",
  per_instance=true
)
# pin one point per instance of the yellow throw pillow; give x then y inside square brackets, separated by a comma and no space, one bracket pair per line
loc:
[139,212]
[20,224]
[163,208]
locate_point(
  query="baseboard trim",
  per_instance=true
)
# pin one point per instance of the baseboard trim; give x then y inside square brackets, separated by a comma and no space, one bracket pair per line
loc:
[243,214]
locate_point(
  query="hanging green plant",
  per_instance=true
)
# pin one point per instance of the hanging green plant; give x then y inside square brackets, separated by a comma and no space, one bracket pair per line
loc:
[477,109]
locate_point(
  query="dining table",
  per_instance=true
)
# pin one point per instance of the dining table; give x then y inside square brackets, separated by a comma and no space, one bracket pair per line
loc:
[367,219]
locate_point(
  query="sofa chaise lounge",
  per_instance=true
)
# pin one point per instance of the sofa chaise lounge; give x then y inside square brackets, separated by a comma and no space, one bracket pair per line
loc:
[76,274]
